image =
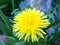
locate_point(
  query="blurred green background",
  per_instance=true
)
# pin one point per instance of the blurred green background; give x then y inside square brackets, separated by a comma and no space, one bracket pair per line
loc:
[9,8]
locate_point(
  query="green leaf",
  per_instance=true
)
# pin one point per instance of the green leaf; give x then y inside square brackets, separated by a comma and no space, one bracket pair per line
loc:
[51,17]
[55,36]
[19,43]
[7,24]
[3,27]
[58,1]
[3,5]
[10,40]
[2,1]
[1,42]
[53,24]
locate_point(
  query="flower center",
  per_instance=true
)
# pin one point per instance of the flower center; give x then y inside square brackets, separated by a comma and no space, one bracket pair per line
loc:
[31,23]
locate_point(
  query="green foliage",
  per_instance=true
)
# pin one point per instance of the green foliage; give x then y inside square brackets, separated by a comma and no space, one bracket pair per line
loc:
[58,1]
[3,3]
[52,14]
[7,26]
[19,43]
[11,40]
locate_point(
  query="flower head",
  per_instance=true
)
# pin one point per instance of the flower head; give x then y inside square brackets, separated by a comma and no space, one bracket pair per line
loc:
[28,24]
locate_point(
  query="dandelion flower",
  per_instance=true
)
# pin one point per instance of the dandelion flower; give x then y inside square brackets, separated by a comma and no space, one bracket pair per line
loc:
[29,24]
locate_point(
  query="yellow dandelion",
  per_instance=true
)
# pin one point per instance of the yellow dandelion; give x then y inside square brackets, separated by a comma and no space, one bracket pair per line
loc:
[28,24]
